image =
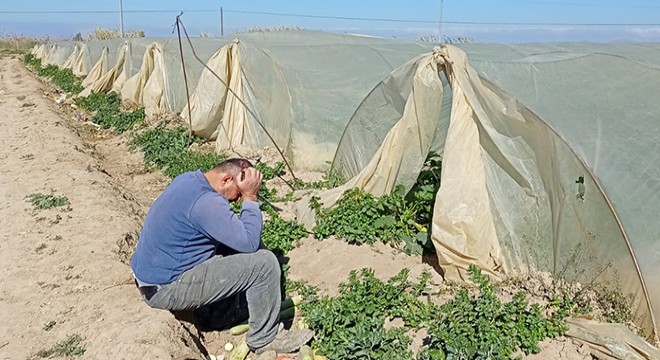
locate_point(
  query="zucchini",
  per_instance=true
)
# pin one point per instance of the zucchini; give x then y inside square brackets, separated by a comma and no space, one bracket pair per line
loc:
[239,329]
[306,353]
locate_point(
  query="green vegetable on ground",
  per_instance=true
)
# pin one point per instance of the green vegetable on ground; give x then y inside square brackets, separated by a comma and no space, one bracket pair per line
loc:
[471,326]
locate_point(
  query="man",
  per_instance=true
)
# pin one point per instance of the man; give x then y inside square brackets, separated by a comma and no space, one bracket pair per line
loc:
[194,251]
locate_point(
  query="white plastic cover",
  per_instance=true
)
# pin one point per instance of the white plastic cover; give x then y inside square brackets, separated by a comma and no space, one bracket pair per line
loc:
[557,178]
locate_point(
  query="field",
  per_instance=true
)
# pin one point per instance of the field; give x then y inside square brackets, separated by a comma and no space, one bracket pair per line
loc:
[77,184]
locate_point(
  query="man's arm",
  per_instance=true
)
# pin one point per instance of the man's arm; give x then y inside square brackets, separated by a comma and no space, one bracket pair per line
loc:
[212,216]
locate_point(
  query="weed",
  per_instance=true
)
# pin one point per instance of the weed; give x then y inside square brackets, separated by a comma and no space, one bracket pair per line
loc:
[49,325]
[41,201]
[69,347]
[28,104]
[615,305]
[21,98]
[331,179]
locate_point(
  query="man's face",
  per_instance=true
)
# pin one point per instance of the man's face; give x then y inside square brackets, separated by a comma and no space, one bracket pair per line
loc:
[232,193]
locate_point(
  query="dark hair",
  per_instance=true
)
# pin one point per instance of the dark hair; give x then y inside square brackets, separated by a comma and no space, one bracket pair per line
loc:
[233,166]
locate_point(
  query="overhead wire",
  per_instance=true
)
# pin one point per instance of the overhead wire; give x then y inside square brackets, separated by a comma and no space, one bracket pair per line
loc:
[349,18]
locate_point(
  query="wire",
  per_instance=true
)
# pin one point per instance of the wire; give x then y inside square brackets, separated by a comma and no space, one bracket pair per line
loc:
[393,20]
[436,21]
[247,108]
[107,11]
[598,5]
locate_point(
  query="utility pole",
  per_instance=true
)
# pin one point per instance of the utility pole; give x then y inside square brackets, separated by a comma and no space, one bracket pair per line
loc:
[440,22]
[121,18]
[222,23]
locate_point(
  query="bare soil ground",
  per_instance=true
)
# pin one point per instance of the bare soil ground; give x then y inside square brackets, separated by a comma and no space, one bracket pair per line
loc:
[70,267]
[66,271]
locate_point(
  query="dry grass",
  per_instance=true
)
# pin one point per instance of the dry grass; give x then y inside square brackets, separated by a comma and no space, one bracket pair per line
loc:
[17,44]
[107,34]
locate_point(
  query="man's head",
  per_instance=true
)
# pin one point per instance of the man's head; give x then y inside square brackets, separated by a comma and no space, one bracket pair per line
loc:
[223,177]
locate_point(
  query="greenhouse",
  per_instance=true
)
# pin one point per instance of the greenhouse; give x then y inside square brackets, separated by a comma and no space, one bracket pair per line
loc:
[547,149]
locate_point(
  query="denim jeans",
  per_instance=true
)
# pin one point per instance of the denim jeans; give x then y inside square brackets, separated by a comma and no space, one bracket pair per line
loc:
[227,282]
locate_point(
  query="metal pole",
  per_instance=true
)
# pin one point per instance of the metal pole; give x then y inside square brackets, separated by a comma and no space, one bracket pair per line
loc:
[440,22]
[222,22]
[121,18]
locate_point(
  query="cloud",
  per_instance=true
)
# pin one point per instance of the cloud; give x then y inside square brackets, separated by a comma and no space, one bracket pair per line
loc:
[646,32]
[513,34]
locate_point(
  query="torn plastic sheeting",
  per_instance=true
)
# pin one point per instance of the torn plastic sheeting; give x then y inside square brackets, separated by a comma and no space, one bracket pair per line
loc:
[613,340]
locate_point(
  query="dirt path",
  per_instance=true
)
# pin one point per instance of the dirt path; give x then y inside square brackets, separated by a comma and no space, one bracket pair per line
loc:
[61,267]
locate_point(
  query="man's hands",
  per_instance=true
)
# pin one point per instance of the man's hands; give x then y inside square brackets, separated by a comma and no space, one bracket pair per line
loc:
[249,183]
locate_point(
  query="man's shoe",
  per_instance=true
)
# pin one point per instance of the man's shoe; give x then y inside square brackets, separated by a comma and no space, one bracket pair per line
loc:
[288,341]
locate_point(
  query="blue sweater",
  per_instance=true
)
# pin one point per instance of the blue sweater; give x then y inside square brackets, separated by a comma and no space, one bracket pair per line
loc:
[184,225]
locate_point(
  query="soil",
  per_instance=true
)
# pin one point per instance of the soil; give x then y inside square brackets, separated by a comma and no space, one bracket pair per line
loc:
[68,266]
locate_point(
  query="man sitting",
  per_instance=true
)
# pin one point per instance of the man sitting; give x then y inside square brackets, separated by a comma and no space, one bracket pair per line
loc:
[194,251]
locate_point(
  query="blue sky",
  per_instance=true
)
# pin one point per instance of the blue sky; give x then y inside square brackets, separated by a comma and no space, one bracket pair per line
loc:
[553,20]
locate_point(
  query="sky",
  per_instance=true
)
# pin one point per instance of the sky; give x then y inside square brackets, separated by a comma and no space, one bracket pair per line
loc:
[505,21]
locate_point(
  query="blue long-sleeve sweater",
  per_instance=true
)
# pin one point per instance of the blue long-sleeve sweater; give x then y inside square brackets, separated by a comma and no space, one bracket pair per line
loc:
[184,225]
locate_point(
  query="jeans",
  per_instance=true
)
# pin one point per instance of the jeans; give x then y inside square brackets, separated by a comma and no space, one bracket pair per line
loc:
[220,287]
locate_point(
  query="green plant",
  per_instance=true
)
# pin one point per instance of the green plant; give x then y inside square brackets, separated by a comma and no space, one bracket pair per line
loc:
[31,60]
[351,325]
[482,327]
[299,287]
[28,104]
[69,347]
[168,150]
[280,235]
[193,160]
[106,108]
[62,78]
[360,218]
[269,172]
[399,219]
[422,194]
[41,201]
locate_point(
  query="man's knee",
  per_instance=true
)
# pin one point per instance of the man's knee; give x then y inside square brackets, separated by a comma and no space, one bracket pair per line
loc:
[268,262]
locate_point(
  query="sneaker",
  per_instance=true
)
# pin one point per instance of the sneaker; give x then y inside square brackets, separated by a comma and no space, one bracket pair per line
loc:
[287,341]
